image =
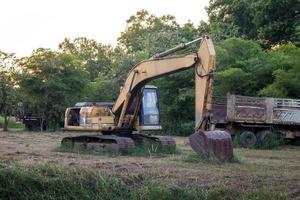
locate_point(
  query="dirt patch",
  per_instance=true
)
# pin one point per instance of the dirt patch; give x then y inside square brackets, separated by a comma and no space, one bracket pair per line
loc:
[257,170]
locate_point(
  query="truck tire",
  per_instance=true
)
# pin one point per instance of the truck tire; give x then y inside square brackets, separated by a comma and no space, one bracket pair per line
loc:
[248,139]
[261,135]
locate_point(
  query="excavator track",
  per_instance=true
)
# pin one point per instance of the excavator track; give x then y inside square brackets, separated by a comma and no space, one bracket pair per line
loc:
[167,143]
[116,143]
[99,142]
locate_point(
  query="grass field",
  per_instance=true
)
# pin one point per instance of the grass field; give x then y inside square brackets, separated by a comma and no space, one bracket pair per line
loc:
[12,124]
[31,167]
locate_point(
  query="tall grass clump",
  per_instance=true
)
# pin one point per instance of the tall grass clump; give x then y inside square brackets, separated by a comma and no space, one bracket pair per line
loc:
[270,141]
[54,182]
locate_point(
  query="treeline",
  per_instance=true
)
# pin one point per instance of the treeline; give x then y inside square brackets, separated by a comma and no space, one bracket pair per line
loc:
[257,44]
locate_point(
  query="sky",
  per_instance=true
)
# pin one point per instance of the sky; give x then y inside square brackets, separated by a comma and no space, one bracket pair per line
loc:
[26,25]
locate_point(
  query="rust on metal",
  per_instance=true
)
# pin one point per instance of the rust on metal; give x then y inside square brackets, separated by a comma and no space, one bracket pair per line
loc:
[263,110]
[216,143]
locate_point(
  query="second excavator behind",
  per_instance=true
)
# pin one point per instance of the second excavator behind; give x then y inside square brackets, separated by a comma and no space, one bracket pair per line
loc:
[118,125]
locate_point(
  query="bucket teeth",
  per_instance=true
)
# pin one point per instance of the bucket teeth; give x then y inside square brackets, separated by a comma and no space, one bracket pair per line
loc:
[216,143]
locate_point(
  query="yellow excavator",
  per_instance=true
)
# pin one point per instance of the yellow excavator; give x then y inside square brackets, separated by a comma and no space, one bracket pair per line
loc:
[136,109]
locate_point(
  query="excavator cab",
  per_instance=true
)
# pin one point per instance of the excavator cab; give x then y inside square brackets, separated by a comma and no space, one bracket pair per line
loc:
[149,112]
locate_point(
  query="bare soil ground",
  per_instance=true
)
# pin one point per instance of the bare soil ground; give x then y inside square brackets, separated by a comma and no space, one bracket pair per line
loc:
[257,170]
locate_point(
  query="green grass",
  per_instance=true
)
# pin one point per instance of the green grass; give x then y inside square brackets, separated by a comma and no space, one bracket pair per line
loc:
[149,149]
[55,182]
[192,157]
[271,141]
[12,124]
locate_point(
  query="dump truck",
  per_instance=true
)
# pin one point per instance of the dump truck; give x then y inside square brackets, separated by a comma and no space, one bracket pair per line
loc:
[256,117]
[119,126]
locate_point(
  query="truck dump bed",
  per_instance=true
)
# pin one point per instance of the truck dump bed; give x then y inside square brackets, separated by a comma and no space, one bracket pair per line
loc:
[258,110]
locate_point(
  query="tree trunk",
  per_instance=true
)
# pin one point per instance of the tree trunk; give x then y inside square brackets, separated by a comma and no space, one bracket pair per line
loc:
[5,124]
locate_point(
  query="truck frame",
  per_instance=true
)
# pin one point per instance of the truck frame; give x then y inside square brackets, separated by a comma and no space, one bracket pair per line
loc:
[257,117]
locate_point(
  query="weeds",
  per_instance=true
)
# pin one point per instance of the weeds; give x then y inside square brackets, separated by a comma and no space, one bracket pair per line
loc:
[270,141]
[11,123]
[195,158]
[45,182]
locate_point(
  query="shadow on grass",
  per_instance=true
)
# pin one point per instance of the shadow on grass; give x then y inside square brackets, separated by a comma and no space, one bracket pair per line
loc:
[148,149]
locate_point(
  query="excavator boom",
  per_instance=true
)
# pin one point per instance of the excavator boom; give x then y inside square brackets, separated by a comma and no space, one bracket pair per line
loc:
[204,140]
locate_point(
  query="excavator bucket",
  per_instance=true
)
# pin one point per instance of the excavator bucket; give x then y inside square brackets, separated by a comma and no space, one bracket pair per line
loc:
[212,143]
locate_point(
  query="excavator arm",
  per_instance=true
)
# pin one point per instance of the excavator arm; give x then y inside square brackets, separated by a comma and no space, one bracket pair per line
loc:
[203,61]
[205,140]
[145,72]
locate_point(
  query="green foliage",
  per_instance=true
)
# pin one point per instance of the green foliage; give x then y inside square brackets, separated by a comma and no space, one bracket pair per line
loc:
[243,67]
[286,83]
[235,81]
[11,123]
[271,22]
[8,91]
[270,141]
[102,89]
[231,18]
[148,32]
[211,159]
[44,182]
[276,20]
[52,81]
[95,56]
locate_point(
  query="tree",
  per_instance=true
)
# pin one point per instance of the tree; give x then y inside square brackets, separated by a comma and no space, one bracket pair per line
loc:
[286,73]
[271,22]
[276,20]
[95,56]
[103,89]
[234,81]
[231,18]
[7,87]
[52,81]
[250,58]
